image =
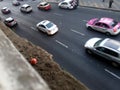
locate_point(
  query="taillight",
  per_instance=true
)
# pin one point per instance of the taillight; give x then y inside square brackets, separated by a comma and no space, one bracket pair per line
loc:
[114,30]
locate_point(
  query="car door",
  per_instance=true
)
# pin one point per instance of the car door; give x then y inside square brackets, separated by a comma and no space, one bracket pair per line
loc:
[98,27]
[42,28]
[105,28]
[64,5]
[106,53]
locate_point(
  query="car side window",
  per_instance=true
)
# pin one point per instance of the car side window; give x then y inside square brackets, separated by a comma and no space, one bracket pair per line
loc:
[105,25]
[64,3]
[42,26]
[107,51]
[98,24]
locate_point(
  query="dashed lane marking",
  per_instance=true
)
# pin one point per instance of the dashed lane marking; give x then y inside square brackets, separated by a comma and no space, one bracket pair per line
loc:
[112,74]
[61,44]
[85,20]
[58,14]
[77,32]
[33,28]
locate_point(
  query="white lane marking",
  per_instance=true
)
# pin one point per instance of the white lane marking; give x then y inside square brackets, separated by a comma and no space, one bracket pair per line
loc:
[77,32]
[61,44]
[85,20]
[33,28]
[58,14]
[112,73]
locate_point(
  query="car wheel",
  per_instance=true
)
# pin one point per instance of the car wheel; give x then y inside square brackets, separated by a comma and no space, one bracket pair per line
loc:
[115,64]
[89,28]
[108,34]
[88,51]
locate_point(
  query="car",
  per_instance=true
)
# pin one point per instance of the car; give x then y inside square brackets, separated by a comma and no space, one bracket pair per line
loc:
[68,4]
[10,22]
[15,3]
[5,10]
[104,47]
[105,25]
[47,26]
[44,6]
[26,8]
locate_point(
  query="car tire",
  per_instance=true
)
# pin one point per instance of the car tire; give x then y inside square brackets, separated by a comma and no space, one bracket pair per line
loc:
[108,34]
[89,28]
[115,64]
[89,51]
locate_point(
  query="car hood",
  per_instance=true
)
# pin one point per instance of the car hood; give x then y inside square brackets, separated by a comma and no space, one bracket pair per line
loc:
[91,42]
[91,21]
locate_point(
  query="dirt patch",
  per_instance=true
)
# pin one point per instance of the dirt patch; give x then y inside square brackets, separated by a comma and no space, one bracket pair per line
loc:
[56,78]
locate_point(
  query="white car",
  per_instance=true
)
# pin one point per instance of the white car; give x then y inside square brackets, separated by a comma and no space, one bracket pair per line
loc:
[26,8]
[68,4]
[10,22]
[106,48]
[47,26]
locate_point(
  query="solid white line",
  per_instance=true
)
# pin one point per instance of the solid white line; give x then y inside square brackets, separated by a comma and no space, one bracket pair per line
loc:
[61,44]
[77,32]
[112,73]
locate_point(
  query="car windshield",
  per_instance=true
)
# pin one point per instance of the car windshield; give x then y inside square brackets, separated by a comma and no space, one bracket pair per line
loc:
[114,23]
[49,25]
[98,43]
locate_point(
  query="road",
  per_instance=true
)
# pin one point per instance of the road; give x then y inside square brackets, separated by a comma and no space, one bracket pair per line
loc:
[67,46]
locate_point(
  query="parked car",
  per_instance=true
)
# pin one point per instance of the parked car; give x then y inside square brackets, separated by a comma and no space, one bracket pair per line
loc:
[15,3]
[5,10]
[68,4]
[44,6]
[26,8]
[47,26]
[10,22]
[106,48]
[105,25]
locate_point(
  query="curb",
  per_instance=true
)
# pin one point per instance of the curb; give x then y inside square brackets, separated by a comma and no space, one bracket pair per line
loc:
[100,8]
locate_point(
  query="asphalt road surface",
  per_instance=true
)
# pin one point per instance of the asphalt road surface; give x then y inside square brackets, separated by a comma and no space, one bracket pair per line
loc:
[67,46]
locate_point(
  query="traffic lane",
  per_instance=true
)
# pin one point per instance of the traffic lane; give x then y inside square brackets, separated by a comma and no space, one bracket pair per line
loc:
[68,54]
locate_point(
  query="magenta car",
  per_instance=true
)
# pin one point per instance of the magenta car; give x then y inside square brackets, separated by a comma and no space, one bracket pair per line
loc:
[105,25]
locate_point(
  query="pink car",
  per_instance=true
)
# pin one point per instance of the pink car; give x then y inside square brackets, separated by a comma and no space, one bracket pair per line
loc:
[105,25]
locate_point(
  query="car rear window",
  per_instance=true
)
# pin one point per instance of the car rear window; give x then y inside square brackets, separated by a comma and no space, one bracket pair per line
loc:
[49,25]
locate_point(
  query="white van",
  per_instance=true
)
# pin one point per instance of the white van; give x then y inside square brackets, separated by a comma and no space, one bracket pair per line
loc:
[68,4]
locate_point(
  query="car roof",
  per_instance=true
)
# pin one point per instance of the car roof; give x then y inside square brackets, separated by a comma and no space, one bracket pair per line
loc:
[4,8]
[44,22]
[110,43]
[106,20]
[25,5]
[9,19]
[42,3]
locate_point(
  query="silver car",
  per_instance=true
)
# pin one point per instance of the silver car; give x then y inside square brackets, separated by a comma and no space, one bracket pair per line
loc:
[26,8]
[106,48]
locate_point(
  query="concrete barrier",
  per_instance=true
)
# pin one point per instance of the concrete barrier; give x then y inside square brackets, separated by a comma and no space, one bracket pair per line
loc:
[15,72]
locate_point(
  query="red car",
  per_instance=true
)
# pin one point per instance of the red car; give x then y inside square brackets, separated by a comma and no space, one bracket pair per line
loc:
[5,10]
[44,6]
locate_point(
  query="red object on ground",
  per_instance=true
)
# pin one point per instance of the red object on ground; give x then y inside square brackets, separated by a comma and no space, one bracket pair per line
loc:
[33,61]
